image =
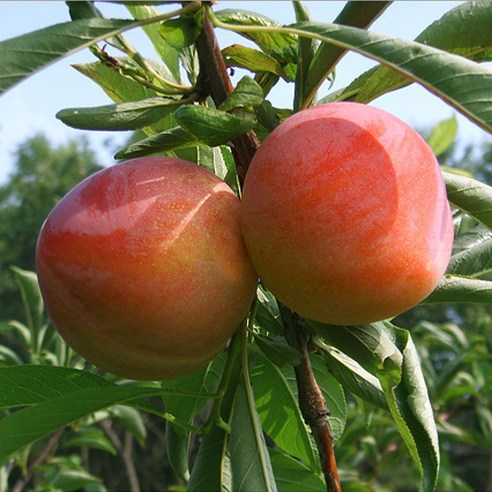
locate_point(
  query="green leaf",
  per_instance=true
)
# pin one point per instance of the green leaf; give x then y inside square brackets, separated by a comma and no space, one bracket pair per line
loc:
[35,422]
[281,46]
[293,476]
[463,30]
[460,289]
[32,301]
[334,396]
[119,88]
[183,31]
[131,420]
[251,59]
[267,312]
[277,350]
[90,438]
[475,260]
[168,54]
[211,158]
[204,381]
[250,462]
[305,51]
[461,83]
[31,384]
[443,135]
[247,93]
[471,196]
[24,55]
[388,352]
[177,451]
[409,403]
[211,471]
[354,377]
[125,116]
[72,480]
[356,14]
[276,402]
[212,126]
[175,138]
[8,357]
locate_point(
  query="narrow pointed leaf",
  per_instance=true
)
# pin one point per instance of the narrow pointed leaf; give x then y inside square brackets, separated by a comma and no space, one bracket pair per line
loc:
[282,46]
[31,384]
[119,88]
[183,31]
[115,117]
[247,93]
[354,377]
[175,138]
[203,381]
[250,462]
[461,83]
[464,30]
[388,353]
[471,196]
[461,289]
[211,471]
[443,135]
[475,260]
[334,396]
[35,422]
[280,416]
[211,126]
[24,55]
[409,403]
[251,59]
[356,14]
[293,476]
[31,298]
[168,54]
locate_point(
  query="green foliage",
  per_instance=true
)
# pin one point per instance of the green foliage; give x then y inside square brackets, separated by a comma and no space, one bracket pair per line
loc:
[42,174]
[406,396]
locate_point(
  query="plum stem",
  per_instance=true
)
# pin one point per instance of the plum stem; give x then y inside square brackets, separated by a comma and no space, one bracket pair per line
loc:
[214,81]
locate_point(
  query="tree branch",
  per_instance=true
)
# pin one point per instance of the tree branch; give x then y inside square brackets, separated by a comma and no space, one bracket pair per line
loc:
[311,400]
[214,81]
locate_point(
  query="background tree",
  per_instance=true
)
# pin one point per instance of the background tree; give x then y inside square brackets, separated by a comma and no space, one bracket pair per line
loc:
[42,175]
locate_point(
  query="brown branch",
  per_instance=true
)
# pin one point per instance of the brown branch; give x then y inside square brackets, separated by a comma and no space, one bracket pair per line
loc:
[126,450]
[38,460]
[311,400]
[214,81]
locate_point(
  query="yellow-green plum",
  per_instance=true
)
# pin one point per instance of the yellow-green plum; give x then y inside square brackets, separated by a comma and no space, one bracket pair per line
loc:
[143,268]
[345,214]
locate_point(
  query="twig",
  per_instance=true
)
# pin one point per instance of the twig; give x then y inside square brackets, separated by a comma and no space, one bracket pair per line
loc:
[125,450]
[38,460]
[311,400]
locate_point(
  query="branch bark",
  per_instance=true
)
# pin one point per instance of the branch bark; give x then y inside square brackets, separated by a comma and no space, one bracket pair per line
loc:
[311,400]
[214,81]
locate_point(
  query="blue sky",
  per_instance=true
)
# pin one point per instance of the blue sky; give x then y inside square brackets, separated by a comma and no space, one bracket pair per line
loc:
[30,107]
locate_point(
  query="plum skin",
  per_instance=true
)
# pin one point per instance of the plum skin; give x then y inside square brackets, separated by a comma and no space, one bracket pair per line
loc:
[143,268]
[345,215]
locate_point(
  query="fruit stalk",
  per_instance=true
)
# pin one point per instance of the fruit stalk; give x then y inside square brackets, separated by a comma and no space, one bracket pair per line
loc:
[214,81]
[311,400]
